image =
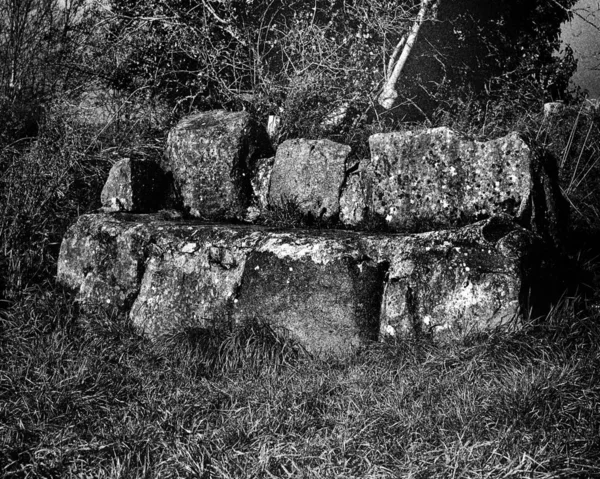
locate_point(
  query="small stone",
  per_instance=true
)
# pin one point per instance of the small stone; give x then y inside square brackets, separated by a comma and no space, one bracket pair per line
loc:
[134,186]
[189,247]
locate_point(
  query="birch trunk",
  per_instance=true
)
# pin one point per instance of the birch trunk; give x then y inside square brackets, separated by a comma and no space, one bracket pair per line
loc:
[389,94]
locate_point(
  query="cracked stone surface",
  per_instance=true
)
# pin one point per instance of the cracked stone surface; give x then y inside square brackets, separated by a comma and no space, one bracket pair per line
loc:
[435,179]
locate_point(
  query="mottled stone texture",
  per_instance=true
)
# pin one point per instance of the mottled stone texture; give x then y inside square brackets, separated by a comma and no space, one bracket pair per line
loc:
[356,198]
[460,281]
[104,259]
[261,181]
[438,178]
[332,291]
[330,306]
[212,157]
[310,174]
[134,185]
[190,285]
[434,179]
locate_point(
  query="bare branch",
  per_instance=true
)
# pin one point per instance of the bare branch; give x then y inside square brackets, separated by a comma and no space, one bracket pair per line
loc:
[576,13]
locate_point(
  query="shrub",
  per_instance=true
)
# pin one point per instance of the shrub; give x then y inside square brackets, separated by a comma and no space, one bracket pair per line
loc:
[49,180]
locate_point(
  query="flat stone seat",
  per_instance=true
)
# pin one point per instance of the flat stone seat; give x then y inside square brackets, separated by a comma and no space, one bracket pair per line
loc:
[332,291]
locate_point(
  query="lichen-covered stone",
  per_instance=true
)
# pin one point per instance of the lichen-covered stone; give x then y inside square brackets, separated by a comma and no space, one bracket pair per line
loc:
[212,157]
[191,284]
[104,259]
[435,179]
[309,174]
[322,295]
[134,185]
[356,197]
[330,290]
[456,282]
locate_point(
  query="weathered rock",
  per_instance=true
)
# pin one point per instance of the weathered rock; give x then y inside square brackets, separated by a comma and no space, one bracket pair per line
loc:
[184,275]
[134,185]
[553,108]
[435,179]
[103,257]
[310,174]
[330,290]
[192,283]
[261,182]
[320,292]
[438,178]
[459,281]
[356,197]
[212,157]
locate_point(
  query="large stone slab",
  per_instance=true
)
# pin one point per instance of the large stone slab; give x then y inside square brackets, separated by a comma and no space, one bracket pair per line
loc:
[332,291]
[310,174]
[193,282]
[436,179]
[212,156]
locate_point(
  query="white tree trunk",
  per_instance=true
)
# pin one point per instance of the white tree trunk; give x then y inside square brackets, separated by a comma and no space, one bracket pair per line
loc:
[389,94]
[273,127]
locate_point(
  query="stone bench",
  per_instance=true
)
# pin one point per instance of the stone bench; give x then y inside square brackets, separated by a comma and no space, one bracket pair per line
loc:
[472,230]
[331,290]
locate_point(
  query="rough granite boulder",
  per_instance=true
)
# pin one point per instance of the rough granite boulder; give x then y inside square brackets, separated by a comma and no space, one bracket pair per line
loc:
[189,275]
[310,174]
[456,282]
[332,291]
[435,179]
[134,185]
[212,157]
[192,283]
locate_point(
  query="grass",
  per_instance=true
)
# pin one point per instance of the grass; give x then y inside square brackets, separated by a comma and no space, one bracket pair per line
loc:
[88,397]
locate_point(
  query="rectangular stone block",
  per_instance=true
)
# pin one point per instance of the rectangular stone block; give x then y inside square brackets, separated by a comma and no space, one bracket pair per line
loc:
[192,286]
[435,179]
[310,174]
[103,258]
[455,282]
[134,185]
[212,157]
[332,291]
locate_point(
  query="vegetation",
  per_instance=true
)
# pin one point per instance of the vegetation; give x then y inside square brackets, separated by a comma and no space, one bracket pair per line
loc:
[85,395]
[99,401]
